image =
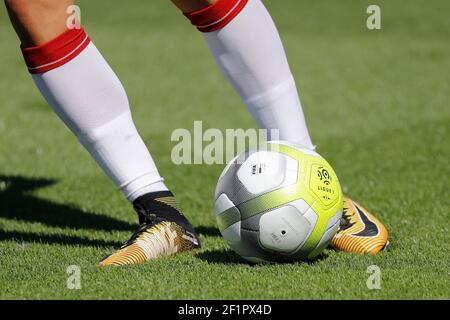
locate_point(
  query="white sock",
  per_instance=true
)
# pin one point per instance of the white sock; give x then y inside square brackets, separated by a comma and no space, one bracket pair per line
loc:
[89,98]
[250,54]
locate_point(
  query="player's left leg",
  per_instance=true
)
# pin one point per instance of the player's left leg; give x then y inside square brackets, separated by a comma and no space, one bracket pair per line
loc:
[246,45]
[79,85]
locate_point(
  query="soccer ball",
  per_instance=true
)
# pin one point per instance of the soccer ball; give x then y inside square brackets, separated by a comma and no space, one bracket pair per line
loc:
[279,203]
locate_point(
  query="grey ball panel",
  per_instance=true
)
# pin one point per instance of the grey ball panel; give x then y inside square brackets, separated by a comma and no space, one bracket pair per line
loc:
[252,223]
[230,184]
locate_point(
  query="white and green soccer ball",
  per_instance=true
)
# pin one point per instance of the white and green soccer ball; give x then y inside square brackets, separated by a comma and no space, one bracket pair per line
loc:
[278,203]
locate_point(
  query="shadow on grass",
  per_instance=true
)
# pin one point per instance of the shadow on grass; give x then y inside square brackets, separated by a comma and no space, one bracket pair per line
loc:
[208,231]
[222,256]
[17,202]
[27,237]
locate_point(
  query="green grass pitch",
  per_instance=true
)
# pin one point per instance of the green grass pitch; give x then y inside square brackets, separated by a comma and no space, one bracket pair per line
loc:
[377,104]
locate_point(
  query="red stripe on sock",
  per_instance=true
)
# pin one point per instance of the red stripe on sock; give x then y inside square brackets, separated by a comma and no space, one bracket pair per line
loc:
[56,52]
[217,15]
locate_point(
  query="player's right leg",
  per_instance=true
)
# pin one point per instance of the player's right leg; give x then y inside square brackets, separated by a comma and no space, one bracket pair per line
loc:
[247,47]
[86,94]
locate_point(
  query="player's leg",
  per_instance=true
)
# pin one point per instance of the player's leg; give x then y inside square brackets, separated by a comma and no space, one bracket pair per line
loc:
[192,5]
[34,29]
[246,45]
[80,86]
[83,90]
